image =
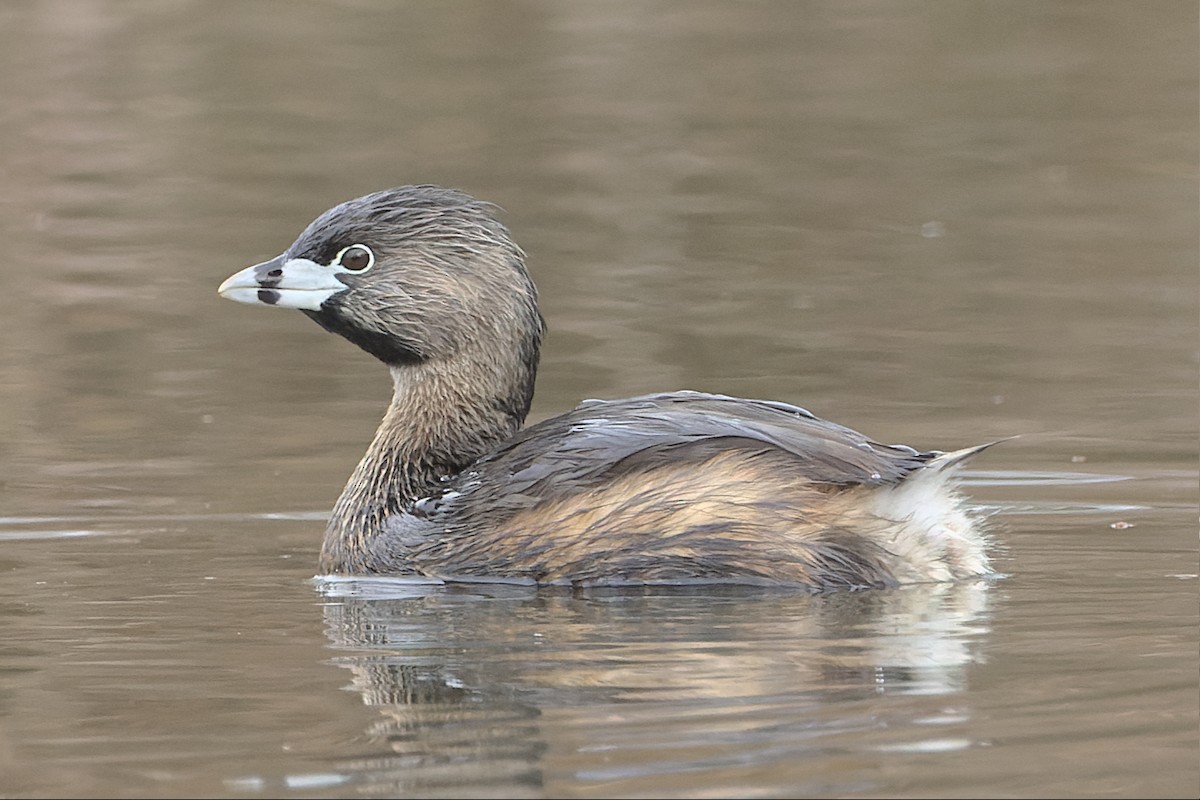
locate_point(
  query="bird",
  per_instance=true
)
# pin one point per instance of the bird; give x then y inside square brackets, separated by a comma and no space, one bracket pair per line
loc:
[673,488]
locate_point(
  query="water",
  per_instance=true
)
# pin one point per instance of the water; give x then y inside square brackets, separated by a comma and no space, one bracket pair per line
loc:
[940,224]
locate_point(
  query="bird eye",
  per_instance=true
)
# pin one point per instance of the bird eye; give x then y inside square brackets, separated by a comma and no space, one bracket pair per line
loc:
[355,258]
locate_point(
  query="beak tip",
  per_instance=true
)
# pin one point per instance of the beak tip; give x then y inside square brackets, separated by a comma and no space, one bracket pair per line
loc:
[240,286]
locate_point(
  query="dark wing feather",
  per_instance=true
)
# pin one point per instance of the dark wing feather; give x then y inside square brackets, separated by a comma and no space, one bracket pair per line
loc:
[598,439]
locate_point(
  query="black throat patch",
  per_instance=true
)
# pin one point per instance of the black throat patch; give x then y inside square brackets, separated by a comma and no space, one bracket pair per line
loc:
[390,349]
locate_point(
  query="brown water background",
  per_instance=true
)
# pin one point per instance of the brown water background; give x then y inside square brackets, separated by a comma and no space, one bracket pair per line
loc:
[939,223]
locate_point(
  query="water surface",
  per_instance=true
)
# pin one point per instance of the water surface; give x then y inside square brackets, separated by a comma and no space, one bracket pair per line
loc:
[938,223]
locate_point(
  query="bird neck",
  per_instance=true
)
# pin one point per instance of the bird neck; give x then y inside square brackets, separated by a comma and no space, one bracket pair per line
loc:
[443,417]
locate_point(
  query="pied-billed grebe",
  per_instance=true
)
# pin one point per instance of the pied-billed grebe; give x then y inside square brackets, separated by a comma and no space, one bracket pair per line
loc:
[665,488]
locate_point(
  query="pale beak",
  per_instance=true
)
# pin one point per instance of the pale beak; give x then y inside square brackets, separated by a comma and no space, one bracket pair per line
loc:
[284,282]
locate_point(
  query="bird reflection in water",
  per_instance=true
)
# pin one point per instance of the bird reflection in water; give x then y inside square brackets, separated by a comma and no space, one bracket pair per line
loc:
[508,691]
